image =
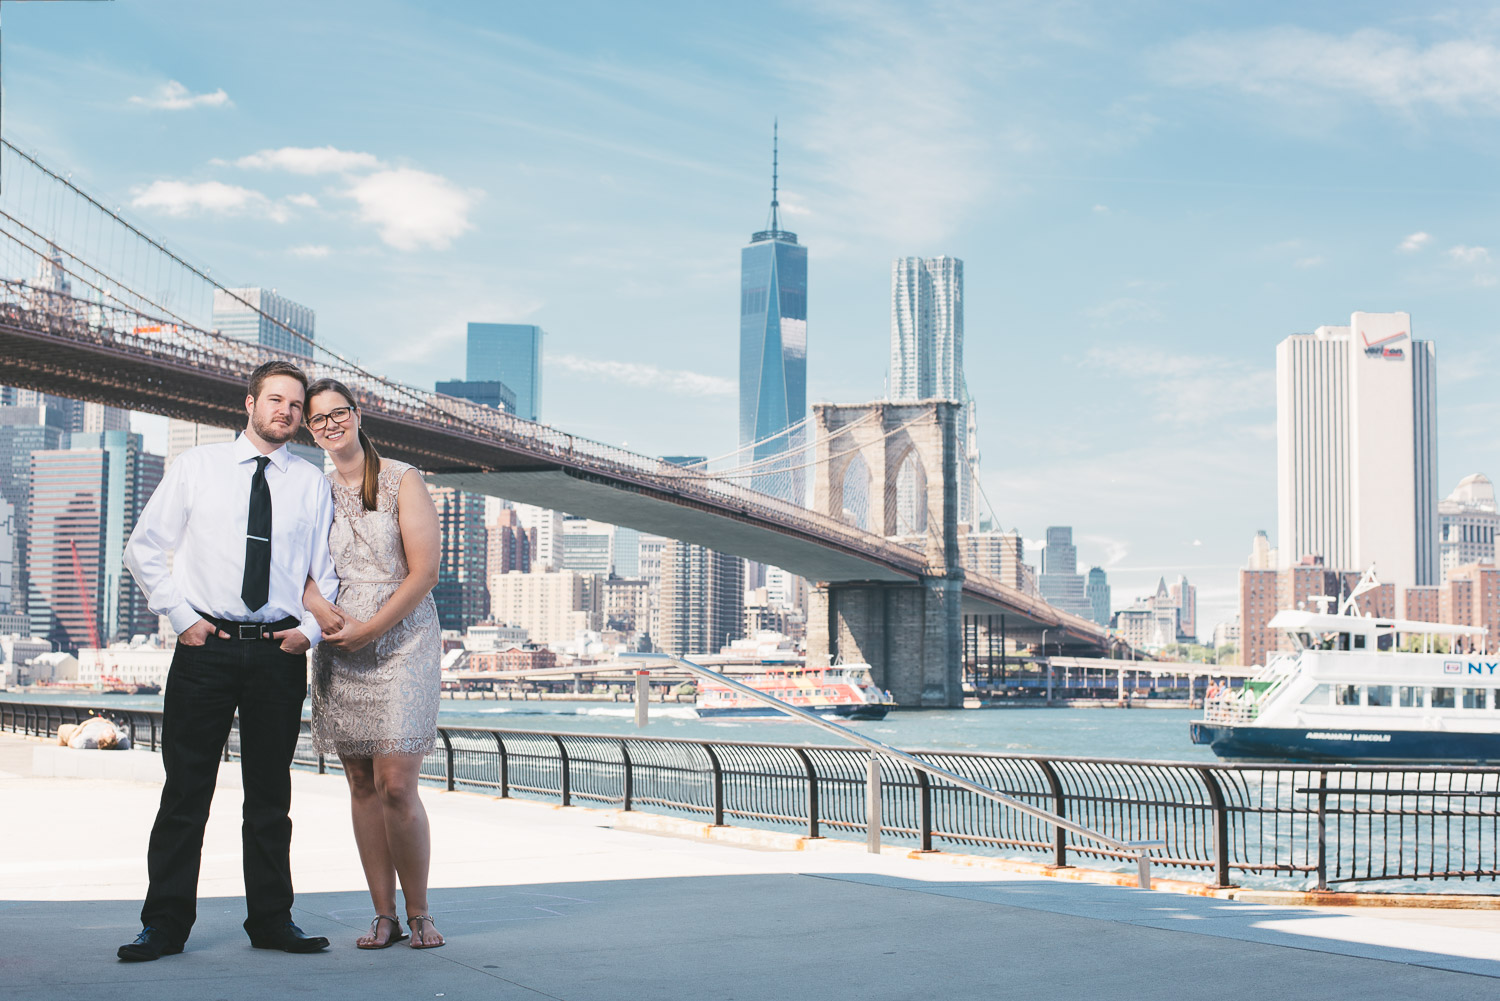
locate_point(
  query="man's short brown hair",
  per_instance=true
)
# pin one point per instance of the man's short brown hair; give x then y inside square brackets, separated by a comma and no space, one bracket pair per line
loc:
[275,367]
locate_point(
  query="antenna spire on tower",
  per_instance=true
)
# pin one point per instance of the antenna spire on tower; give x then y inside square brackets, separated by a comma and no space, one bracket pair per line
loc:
[775,174]
[773,230]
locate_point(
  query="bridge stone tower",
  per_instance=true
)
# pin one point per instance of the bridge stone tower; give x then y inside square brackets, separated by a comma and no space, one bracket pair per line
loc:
[893,468]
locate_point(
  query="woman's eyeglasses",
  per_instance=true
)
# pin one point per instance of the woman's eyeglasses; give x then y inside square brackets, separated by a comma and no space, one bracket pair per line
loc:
[339,415]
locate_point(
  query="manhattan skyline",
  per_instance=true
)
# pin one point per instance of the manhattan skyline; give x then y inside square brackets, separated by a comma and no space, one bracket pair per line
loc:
[1146,202]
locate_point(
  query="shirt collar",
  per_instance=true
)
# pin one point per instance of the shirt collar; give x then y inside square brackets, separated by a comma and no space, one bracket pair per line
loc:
[245,450]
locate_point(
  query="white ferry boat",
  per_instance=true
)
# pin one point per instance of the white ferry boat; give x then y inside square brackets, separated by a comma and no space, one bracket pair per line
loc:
[846,691]
[1348,692]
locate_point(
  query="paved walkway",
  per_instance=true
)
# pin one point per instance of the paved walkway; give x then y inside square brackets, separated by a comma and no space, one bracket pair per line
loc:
[540,902]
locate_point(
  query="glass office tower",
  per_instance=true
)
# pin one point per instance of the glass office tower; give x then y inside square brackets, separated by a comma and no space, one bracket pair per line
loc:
[773,353]
[510,353]
[260,321]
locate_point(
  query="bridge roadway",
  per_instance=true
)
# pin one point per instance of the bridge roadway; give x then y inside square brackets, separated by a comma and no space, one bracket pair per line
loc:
[118,357]
[542,902]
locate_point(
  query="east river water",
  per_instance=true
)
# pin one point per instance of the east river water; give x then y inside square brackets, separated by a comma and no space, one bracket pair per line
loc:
[1152,734]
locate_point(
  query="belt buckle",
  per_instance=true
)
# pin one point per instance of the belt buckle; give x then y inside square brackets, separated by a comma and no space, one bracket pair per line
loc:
[250,631]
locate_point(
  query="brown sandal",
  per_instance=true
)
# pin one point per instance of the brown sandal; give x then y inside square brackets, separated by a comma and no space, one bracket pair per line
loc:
[396,934]
[411,921]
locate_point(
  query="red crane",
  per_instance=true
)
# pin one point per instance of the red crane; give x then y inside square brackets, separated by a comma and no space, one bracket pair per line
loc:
[83,594]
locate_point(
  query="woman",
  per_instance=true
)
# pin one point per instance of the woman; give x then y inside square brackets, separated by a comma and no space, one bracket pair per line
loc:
[377,673]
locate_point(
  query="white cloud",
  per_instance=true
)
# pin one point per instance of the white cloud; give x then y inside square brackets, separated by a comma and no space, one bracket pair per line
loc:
[896,148]
[309,160]
[173,96]
[412,208]
[180,198]
[1415,242]
[1102,209]
[1298,65]
[309,250]
[1469,255]
[1190,390]
[647,376]
[305,200]
[1310,262]
[1125,309]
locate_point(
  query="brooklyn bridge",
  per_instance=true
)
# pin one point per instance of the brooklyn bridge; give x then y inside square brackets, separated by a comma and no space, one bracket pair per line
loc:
[94,309]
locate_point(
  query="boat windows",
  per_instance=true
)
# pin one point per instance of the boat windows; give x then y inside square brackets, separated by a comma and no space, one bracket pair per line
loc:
[1359,641]
[1346,695]
[1378,695]
[1474,698]
[1410,696]
[1440,698]
[1319,696]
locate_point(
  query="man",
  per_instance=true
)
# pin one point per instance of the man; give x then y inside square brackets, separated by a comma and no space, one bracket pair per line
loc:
[249,523]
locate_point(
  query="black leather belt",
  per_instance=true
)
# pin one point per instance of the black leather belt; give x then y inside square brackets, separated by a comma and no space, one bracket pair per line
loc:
[250,630]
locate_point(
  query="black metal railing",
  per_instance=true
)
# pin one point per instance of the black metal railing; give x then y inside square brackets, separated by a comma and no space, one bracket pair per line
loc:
[1323,825]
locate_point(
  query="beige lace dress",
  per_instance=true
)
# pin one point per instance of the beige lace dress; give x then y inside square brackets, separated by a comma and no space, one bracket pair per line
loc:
[382,699]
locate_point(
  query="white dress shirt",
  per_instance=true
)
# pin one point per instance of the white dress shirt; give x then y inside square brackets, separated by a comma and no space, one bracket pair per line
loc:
[201,509]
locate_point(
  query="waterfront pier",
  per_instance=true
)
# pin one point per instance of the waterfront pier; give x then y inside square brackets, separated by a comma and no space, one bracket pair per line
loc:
[539,901]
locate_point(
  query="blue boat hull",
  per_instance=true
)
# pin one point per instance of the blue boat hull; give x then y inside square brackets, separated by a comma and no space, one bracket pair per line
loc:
[1399,747]
[764,712]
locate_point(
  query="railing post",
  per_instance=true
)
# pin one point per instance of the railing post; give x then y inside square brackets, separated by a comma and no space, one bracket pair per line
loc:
[642,698]
[872,803]
[629,784]
[1322,830]
[567,789]
[322,765]
[504,765]
[718,783]
[448,755]
[1059,807]
[1221,826]
[812,793]
[924,808]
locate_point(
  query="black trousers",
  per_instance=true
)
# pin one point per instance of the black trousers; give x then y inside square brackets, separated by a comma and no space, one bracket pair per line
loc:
[205,686]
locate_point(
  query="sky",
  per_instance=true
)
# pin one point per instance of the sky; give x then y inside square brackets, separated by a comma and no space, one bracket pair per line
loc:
[1147,198]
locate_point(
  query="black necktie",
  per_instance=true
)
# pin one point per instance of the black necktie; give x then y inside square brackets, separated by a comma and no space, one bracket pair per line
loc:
[257,586]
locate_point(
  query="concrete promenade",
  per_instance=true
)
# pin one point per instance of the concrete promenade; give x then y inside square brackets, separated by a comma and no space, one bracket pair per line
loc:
[541,902]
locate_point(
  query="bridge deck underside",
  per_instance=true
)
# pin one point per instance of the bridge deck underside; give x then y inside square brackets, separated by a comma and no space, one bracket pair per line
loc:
[174,387]
[615,503]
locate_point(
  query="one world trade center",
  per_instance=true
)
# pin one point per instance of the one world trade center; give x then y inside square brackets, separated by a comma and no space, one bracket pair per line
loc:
[773,355]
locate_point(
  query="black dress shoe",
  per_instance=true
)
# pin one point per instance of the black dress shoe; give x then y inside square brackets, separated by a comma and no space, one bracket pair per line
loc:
[151,943]
[288,938]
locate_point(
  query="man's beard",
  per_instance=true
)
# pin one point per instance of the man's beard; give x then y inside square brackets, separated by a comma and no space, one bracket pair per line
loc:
[273,432]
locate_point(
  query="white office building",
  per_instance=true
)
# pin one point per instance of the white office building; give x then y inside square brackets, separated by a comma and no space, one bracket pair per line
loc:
[1357,449]
[1469,519]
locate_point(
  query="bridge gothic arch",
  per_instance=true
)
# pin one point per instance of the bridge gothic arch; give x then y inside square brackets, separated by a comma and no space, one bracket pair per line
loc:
[909,633]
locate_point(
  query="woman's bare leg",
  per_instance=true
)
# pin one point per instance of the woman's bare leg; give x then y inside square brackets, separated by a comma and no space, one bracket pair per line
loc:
[407,834]
[370,836]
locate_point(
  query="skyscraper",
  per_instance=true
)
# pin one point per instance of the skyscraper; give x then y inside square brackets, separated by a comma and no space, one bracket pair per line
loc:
[1357,449]
[462,593]
[1061,583]
[1097,590]
[510,353]
[927,354]
[773,351]
[702,599]
[24,430]
[251,314]
[84,501]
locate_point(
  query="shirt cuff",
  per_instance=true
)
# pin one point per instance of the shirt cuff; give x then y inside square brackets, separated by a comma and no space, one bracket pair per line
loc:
[182,617]
[311,630]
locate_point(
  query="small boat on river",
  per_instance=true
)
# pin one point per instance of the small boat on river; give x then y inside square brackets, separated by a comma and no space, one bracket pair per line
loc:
[1358,688]
[845,691]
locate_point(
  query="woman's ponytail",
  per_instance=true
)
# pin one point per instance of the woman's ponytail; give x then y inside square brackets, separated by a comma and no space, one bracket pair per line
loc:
[370,489]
